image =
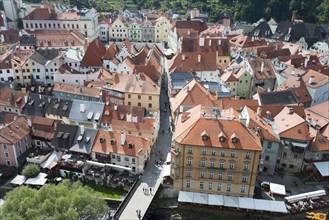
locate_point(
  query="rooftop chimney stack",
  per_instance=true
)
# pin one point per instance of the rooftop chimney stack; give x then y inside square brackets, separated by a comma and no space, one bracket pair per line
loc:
[199,58]
[26,98]
[29,122]
[82,129]
[183,57]
[262,67]
[259,111]
[123,137]
[305,63]
[311,80]
[209,42]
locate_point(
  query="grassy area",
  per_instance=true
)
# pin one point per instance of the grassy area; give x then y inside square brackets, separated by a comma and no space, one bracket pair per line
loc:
[108,192]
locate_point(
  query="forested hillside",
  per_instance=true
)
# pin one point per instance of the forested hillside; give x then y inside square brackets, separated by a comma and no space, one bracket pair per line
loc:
[248,10]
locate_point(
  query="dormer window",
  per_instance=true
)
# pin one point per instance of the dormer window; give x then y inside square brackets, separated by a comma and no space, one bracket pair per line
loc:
[221,137]
[205,135]
[112,141]
[234,138]
[102,140]
[130,145]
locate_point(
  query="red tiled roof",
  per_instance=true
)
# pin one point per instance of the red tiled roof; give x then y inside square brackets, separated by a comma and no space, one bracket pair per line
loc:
[94,54]
[41,14]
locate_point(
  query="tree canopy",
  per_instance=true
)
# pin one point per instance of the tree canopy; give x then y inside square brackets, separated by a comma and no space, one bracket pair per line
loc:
[64,201]
[30,171]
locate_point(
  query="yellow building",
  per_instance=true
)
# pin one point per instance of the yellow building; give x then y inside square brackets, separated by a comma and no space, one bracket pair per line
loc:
[214,156]
[134,90]
[161,29]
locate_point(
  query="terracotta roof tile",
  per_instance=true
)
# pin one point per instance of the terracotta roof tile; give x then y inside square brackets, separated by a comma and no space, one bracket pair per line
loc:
[15,131]
[149,70]
[10,97]
[41,14]
[189,132]
[77,90]
[192,94]
[139,144]
[207,61]
[94,54]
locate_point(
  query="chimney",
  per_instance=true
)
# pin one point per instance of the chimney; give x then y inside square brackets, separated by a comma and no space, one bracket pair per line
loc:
[209,42]
[95,125]
[29,122]
[305,63]
[82,129]
[123,137]
[268,114]
[262,67]
[298,77]
[49,99]
[291,110]
[293,72]
[289,30]
[308,119]
[311,80]
[187,89]
[293,17]
[201,41]
[25,98]
[188,33]
[183,57]
[199,58]
[268,89]
[259,111]
[40,96]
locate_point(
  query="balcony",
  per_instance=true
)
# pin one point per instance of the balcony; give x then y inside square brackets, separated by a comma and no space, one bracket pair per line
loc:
[175,152]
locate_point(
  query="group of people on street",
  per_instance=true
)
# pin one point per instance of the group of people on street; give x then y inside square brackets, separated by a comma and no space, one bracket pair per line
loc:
[147,191]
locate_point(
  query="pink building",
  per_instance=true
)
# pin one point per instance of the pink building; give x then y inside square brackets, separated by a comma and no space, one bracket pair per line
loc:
[14,141]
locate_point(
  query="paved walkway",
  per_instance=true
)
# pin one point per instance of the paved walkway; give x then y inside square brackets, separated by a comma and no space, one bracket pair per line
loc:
[152,177]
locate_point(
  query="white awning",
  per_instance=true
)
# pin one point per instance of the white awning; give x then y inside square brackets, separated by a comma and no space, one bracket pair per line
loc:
[246,203]
[200,198]
[262,205]
[308,195]
[278,206]
[216,200]
[52,160]
[94,163]
[278,189]
[323,168]
[166,170]
[185,197]
[230,201]
[18,180]
[39,180]
[298,144]
[168,160]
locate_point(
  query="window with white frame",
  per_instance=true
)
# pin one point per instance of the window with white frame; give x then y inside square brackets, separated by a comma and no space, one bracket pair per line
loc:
[220,176]
[211,175]
[210,186]
[221,164]
[244,178]
[231,165]
[222,153]
[204,151]
[203,162]
[229,187]
[243,188]
[188,183]
[246,166]
[189,150]
[189,161]
[213,152]
[201,174]
[248,154]
[201,184]
[212,163]
[219,186]
[232,153]
[188,173]
[230,176]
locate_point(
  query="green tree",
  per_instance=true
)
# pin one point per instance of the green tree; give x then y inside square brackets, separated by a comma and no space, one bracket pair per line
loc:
[31,170]
[64,201]
[323,12]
